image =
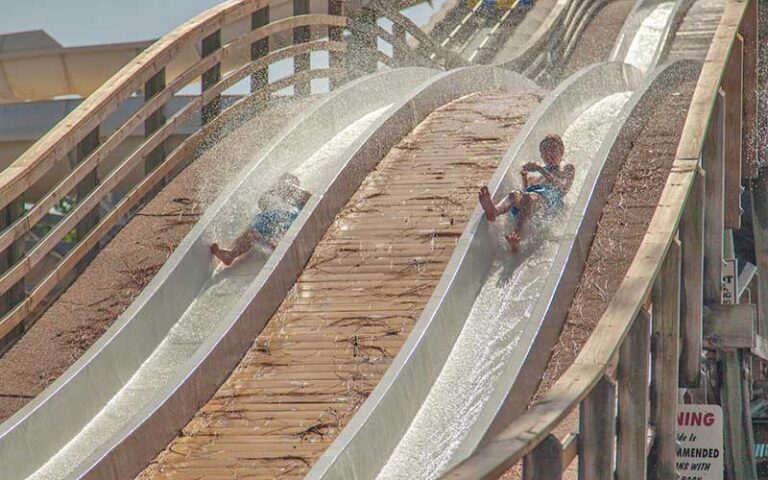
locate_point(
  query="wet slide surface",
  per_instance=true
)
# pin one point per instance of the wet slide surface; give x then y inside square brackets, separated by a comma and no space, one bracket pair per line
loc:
[334,336]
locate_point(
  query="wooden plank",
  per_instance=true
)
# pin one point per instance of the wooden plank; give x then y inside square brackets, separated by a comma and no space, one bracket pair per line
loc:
[633,413]
[692,243]
[9,256]
[153,87]
[749,32]
[288,363]
[570,449]
[729,326]
[335,61]
[732,85]
[259,48]
[545,462]
[713,162]
[211,77]
[759,194]
[89,220]
[301,63]
[738,452]
[597,431]
[664,366]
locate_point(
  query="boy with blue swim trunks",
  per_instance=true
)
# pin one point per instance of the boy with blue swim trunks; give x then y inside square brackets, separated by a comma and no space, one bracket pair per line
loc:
[279,208]
[544,191]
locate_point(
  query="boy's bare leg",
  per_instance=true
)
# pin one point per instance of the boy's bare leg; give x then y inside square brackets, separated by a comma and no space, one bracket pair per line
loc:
[242,244]
[526,205]
[487,203]
[513,199]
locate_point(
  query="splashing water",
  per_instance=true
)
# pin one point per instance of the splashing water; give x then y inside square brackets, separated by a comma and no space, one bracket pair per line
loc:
[644,45]
[492,331]
[204,314]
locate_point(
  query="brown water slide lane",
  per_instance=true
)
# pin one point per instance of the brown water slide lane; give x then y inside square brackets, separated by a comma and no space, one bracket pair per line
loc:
[332,339]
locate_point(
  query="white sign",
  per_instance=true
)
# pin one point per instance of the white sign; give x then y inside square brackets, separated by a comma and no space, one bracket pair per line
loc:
[699,442]
[729,289]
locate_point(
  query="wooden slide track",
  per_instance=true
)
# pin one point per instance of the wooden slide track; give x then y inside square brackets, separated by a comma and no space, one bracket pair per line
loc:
[332,339]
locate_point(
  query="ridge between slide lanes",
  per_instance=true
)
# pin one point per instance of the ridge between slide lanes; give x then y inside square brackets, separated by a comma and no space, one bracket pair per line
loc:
[355,303]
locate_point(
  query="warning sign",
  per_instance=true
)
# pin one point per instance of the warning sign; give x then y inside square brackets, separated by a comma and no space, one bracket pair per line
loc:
[699,442]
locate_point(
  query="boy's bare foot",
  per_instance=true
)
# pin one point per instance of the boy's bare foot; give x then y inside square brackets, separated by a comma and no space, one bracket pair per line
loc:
[222,255]
[487,203]
[514,241]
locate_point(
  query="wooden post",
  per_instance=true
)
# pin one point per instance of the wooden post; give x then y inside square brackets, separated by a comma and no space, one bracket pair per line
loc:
[87,145]
[759,193]
[301,63]
[8,258]
[597,432]
[545,462]
[632,421]
[210,44]
[713,162]
[259,49]
[750,139]
[734,397]
[335,34]
[732,85]
[152,87]
[739,456]
[361,58]
[665,364]
[692,239]
[398,51]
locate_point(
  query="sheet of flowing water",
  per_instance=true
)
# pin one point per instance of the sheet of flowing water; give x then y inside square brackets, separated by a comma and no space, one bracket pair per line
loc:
[202,317]
[492,330]
[643,47]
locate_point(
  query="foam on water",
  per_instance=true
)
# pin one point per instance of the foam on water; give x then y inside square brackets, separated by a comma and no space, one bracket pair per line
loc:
[202,317]
[643,48]
[492,331]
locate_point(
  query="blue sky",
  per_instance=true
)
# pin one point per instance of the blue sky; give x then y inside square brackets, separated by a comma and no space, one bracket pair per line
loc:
[88,22]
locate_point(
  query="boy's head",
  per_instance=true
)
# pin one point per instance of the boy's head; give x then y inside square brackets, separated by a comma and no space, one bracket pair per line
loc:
[552,149]
[288,180]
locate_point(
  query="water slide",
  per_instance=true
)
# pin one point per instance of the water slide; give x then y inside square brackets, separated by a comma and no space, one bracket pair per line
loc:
[169,332]
[143,377]
[474,358]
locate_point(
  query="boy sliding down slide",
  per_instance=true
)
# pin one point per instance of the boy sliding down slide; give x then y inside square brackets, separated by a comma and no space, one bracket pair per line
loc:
[279,208]
[545,190]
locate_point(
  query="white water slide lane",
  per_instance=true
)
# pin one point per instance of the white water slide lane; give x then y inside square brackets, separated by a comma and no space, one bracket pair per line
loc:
[467,367]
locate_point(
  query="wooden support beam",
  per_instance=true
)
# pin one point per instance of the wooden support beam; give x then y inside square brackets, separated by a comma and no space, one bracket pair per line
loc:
[153,87]
[8,257]
[399,50]
[545,462]
[713,162]
[336,61]
[260,49]
[665,365]
[301,63]
[84,148]
[632,421]
[750,138]
[692,243]
[745,277]
[732,84]
[597,432]
[729,326]
[738,452]
[570,449]
[211,77]
[361,58]
[759,194]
